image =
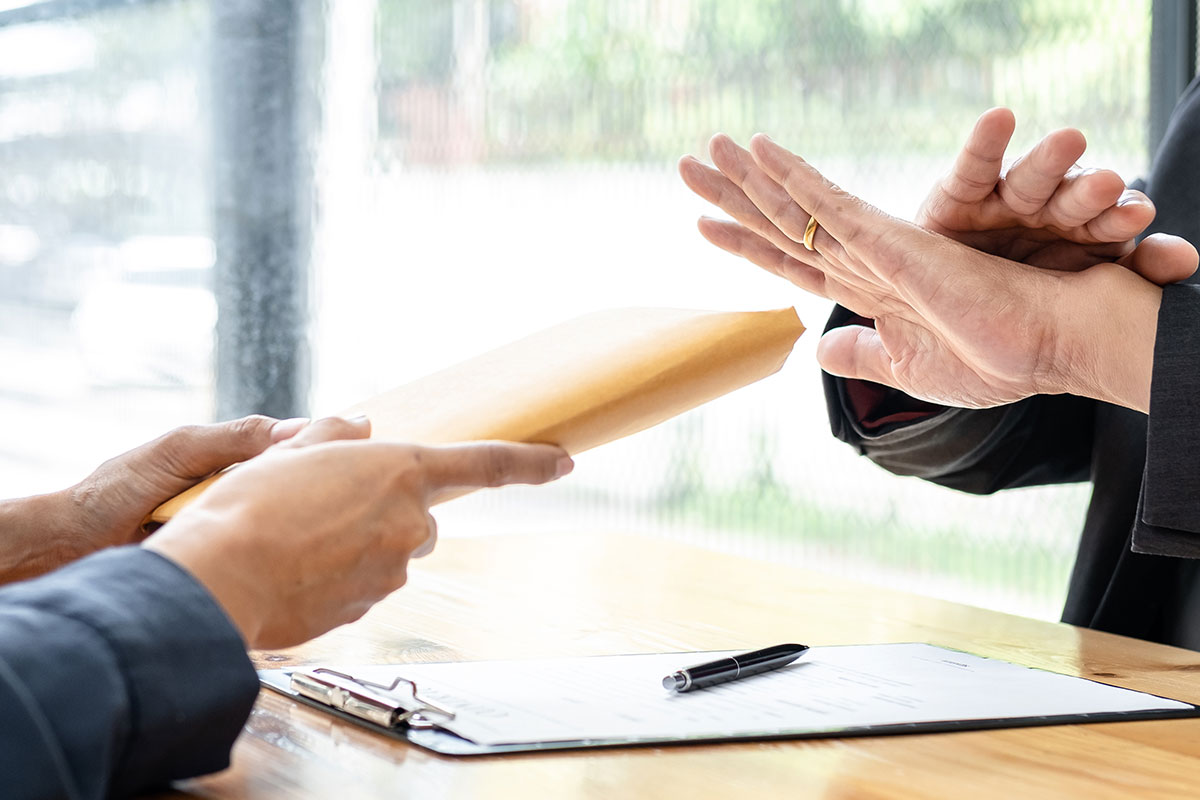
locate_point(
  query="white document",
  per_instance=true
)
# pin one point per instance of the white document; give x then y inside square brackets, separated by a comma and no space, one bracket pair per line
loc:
[829,690]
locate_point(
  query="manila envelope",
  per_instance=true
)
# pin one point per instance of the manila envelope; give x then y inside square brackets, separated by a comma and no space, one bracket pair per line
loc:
[579,384]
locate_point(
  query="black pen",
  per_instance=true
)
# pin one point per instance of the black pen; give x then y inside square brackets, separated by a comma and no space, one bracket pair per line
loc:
[733,667]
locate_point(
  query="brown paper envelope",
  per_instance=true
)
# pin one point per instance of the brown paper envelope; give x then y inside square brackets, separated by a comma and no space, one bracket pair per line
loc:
[582,383]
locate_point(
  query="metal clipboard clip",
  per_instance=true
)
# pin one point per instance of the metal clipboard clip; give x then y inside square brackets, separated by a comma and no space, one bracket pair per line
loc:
[365,699]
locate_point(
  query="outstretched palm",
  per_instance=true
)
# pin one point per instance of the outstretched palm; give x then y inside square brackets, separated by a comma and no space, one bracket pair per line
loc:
[949,334]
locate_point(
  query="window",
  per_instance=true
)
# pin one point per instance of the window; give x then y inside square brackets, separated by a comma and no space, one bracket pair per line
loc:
[106,309]
[484,168]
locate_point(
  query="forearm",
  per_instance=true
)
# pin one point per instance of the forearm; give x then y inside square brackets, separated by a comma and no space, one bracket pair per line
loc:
[36,536]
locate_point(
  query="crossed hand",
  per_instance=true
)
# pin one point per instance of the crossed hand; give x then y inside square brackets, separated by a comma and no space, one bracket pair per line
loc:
[957,321]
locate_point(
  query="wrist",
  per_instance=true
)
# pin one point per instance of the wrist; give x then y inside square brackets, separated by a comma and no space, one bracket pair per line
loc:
[1109,324]
[192,542]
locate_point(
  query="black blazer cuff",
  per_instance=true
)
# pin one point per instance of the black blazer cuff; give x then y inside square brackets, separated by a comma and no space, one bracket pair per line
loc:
[1170,499]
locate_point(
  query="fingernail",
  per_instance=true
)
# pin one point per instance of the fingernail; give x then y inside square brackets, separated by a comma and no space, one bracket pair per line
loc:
[361,419]
[1130,197]
[564,465]
[287,428]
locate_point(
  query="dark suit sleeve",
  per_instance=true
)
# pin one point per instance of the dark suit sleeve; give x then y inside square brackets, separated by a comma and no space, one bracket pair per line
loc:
[118,673]
[1040,440]
[1168,520]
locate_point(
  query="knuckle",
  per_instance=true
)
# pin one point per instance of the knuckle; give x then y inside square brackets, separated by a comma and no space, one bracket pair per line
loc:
[173,453]
[250,427]
[184,433]
[409,471]
[328,428]
[820,202]
[380,582]
[356,611]
[180,440]
[331,423]
[399,576]
[782,206]
[500,465]
[412,534]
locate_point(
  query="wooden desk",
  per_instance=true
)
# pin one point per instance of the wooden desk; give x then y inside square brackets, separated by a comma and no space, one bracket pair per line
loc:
[573,594]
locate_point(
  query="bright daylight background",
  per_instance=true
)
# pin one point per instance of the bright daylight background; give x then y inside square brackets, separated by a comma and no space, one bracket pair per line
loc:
[486,168]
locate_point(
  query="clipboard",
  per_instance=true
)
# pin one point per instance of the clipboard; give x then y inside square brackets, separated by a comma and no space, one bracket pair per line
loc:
[495,707]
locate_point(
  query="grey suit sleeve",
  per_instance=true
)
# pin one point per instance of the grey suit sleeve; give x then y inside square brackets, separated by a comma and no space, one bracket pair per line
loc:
[118,673]
[1040,440]
[1168,520]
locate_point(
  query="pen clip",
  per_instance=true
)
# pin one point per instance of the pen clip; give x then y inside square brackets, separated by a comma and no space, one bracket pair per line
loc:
[366,700]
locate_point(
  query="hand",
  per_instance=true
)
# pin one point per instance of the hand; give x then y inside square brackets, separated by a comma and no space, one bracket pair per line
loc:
[314,532]
[107,508]
[1044,210]
[952,325]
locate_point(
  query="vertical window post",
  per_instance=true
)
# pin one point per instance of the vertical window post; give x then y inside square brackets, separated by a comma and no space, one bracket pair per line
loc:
[262,188]
[1172,61]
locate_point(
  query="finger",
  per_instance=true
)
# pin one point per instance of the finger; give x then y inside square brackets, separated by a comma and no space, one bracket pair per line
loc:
[1125,220]
[1082,196]
[830,280]
[977,169]
[430,540]
[1032,178]
[287,428]
[329,429]
[721,192]
[481,464]
[1162,259]
[840,213]
[711,183]
[855,351]
[767,195]
[1068,256]
[735,238]
[728,195]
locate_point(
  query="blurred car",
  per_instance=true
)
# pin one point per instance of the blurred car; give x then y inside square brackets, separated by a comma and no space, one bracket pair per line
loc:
[150,320]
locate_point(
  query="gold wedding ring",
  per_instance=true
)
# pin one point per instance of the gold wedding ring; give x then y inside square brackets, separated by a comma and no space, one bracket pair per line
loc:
[810,233]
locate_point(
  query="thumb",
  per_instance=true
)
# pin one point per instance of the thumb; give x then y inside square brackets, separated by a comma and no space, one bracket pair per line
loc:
[194,451]
[855,351]
[1162,259]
